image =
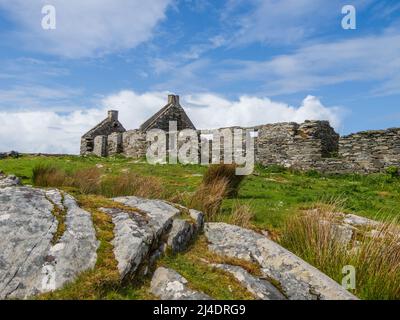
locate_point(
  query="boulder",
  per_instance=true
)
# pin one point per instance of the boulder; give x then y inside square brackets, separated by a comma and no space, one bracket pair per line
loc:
[30,261]
[167,284]
[142,233]
[297,279]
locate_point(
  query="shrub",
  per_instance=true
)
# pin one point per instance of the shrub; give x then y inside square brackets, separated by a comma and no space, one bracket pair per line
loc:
[227,172]
[48,176]
[208,197]
[393,171]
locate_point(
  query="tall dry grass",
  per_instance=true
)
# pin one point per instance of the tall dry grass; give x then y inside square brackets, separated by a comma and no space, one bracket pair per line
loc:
[376,259]
[219,182]
[48,176]
[94,181]
[227,172]
[241,215]
[208,197]
[88,180]
[132,184]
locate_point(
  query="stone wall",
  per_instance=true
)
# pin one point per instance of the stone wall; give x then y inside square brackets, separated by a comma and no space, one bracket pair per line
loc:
[312,145]
[134,144]
[295,145]
[372,151]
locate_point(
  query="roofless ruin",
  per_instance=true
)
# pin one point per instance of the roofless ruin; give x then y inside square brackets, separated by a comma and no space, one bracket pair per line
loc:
[312,145]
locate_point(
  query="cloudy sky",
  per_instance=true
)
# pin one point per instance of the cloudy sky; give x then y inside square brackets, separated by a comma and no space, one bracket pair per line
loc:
[234,62]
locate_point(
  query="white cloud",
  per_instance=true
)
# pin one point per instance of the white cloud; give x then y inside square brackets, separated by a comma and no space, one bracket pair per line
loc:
[86,28]
[48,131]
[211,111]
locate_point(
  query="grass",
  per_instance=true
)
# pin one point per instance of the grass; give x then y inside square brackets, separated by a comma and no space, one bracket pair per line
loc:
[209,197]
[103,282]
[276,196]
[376,260]
[194,265]
[226,172]
[94,181]
[242,215]
[59,214]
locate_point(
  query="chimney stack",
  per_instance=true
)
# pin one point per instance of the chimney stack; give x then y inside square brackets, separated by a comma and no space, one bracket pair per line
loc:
[113,115]
[173,99]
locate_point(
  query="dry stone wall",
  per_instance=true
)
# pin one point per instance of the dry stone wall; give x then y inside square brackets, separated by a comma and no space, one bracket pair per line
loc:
[134,144]
[300,146]
[312,145]
[372,151]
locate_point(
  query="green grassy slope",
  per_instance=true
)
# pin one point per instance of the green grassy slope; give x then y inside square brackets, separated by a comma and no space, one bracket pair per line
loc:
[272,193]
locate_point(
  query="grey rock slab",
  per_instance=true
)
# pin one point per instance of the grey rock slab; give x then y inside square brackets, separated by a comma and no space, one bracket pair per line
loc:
[167,284]
[132,239]
[198,217]
[9,181]
[75,252]
[298,279]
[29,263]
[260,288]
[180,235]
[159,212]
[26,230]
[142,237]
[357,221]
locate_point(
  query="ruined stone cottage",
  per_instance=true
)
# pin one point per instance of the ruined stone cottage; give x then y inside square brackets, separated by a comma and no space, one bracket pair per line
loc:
[312,145]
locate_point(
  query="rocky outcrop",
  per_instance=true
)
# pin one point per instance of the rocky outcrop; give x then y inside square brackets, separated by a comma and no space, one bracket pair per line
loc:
[181,233]
[132,239]
[167,284]
[147,229]
[8,181]
[297,279]
[31,261]
[351,229]
[260,288]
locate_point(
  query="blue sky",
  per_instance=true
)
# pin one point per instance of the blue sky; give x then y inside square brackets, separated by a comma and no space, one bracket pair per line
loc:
[234,62]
